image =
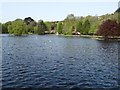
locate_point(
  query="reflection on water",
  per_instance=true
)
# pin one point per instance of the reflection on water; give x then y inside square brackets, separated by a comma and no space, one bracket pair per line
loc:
[58,62]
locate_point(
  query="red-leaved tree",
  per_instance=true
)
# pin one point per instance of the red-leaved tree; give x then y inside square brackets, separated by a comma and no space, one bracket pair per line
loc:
[109,28]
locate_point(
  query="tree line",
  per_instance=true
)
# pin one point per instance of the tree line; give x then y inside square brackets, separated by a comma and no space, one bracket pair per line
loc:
[105,25]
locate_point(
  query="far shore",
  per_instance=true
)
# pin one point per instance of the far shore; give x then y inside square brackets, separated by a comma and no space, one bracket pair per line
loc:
[85,36]
[93,37]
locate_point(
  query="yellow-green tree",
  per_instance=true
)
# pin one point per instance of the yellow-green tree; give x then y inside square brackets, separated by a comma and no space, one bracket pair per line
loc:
[18,27]
[59,27]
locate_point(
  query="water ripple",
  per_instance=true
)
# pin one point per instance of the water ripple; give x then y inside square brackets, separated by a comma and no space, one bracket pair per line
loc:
[62,63]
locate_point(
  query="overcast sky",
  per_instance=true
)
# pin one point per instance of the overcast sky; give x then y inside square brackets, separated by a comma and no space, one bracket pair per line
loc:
[50,11]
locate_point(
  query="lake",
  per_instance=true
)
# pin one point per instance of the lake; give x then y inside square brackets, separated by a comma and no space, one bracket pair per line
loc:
[50,62]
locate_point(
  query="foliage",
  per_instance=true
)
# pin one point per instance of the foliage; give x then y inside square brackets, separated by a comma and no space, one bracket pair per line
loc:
[109,28]
[5,27]
[18,27]
[59,28]
[40,28]
[30,28]
[69,32]
[28,20]
[30,24]
[48,24]
[53,26]
[86,27]
[93,28]
[70,25]
[79,26]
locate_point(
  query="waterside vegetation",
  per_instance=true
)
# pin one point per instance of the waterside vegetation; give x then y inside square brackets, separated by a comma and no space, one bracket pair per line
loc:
[106,26]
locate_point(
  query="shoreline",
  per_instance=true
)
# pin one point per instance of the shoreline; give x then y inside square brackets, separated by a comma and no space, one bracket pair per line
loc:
[93,37]
[84,36]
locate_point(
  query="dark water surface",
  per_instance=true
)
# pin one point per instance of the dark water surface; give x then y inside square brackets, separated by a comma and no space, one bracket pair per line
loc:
[59,63]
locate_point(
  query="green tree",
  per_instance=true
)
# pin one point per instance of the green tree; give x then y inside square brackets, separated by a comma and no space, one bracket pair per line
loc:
[68,24]
[94,28]
[79,26]
[48,24]
[18,27]
[59,28]
[30,28]
[40,28]
[30,24]
[86,27]
[69,31]
[5,27]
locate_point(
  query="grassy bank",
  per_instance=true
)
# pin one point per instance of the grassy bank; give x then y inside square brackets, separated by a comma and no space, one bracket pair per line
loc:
[93,37]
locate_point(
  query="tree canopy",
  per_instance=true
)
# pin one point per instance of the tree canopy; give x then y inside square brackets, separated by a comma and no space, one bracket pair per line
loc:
[88,25]
[18,27]
[40,28]
[5,27]
[28,20]
[109,28]
[59,28]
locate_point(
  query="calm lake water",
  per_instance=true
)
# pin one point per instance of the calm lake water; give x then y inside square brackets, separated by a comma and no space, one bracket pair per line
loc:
[59,63]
